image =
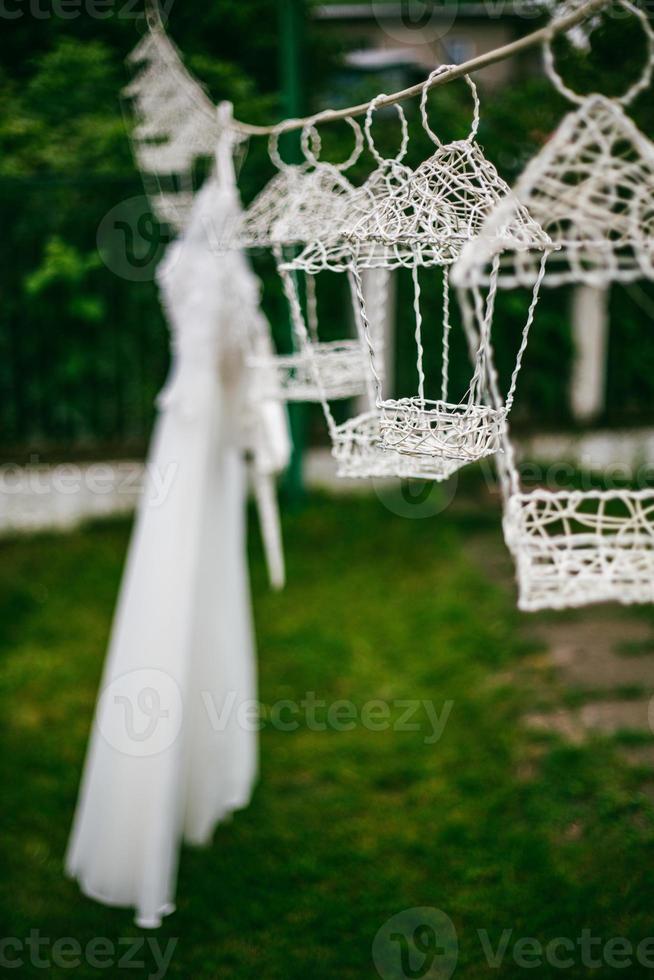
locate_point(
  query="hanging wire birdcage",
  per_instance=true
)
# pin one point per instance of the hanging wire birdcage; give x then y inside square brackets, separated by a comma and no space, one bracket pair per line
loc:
[591,188]
[400,219]
[303,202]
[356,443]
[302,199]
[176,125]
[449,197]
[425,224]
[423,220]
[572,548]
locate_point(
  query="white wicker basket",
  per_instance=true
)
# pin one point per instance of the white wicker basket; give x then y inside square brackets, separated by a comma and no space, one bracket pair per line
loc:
[423,222]
[574,549]
[463,431]
[342,367]
[356,446]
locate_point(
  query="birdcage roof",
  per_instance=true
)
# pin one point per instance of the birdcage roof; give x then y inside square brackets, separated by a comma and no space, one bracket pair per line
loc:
[591,188]
[299,204]
[335,250]
[427,218]
[175,120]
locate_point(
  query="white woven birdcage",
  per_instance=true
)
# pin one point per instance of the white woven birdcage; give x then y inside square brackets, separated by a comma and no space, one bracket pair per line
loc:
[425,224]
[423,220]
[573,548]
[300,203]
[591,188]
[356,443]
[176,124]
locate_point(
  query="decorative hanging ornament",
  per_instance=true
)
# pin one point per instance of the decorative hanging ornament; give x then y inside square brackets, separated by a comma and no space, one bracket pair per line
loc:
[423,220]
[591,188]
[356,443]
[334,251]
[302,200]
[301,203]
[176,124]
[574,548]
[426,224]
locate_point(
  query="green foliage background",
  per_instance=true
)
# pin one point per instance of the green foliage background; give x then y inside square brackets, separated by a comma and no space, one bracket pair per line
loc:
[83,351]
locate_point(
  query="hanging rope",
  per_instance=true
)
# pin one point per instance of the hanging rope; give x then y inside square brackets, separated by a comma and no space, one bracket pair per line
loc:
[419,346]
[447,326]
[544,35]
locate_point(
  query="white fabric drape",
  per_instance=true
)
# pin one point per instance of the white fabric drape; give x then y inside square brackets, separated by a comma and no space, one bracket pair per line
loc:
[169,753]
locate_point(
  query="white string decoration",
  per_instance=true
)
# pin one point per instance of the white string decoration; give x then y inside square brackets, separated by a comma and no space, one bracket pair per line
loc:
[176,124]
[574,548]
[356,443]
[591,188]
[427,223]
[301,203]
[302,200]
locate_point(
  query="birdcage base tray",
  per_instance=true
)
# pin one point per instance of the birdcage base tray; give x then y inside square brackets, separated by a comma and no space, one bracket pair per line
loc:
[358,452]
[435,429]
[567,579]
[341,367]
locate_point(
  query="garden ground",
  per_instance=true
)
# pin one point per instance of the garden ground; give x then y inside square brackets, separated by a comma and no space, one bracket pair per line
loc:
[528,815]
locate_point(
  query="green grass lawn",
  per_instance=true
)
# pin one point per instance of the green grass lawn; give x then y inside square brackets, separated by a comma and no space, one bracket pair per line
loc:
[496,827]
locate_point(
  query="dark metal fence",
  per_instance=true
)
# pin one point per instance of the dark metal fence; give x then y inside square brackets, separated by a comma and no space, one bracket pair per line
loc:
[83,344]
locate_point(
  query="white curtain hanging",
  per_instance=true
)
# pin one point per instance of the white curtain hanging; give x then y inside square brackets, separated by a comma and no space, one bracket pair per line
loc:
[169,754]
